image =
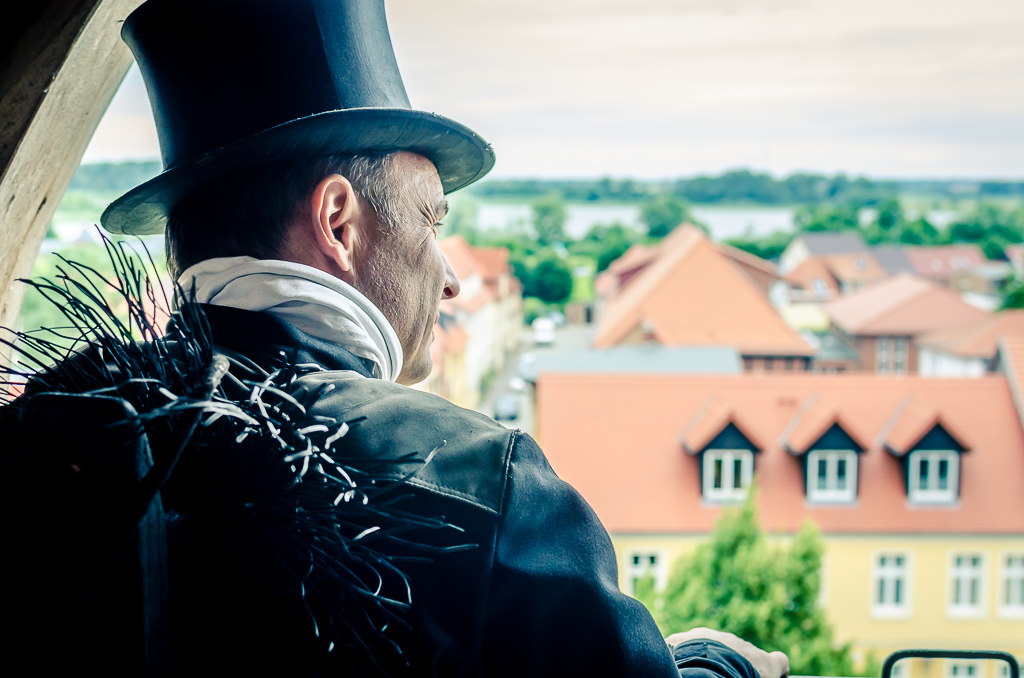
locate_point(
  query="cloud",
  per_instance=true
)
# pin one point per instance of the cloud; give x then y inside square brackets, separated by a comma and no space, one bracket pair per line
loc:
[664,87]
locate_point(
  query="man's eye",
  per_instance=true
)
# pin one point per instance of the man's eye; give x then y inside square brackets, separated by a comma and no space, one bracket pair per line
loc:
[437,226]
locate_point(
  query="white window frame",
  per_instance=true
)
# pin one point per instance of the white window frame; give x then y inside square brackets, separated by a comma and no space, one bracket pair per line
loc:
[929,494]
[728,491]
[1011,585]
[645,568]
[882,354]
[831,494]
[963,668]
[891,572]
[967,588]
[901,354]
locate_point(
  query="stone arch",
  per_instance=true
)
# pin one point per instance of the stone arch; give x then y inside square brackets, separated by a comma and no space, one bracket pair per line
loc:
[60,64]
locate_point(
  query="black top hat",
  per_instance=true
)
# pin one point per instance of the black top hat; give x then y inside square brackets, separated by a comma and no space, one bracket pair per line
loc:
[239,83]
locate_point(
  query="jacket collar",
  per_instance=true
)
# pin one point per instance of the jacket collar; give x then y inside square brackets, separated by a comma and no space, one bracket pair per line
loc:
[271,342]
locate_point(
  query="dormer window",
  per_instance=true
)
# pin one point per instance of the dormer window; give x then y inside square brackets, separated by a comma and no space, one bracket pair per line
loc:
[828,449]
[727,474]
[929,449]
[724,449]
[832,476]
[933,476]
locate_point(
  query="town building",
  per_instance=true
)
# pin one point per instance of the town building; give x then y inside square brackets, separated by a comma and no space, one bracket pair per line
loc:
[688,291]
[817,244]
[914,482]
[478,330]
[968,350]
[828,276]
[882,323]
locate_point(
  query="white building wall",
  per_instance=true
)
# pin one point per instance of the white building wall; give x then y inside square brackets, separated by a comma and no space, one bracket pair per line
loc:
[795,254]
[932,363]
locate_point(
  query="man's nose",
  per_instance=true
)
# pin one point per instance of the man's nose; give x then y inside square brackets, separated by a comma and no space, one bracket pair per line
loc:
[452,286]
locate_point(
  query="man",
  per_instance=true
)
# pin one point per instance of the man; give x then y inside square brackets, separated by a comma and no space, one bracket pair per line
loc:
[302,202]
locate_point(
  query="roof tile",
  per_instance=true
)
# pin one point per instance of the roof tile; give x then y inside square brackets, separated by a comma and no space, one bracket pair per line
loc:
[693,295]
[903,304]
[616,438]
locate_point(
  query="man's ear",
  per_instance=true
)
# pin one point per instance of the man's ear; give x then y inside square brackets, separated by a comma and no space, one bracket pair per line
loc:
[337,219]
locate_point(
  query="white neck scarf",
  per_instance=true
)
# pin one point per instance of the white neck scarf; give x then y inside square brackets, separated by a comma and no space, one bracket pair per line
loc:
[310,299]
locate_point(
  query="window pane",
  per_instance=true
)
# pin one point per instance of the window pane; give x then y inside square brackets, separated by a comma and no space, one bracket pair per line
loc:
[737,474]
[822,473]
[943,474]
[923,474]
[717,473]
[881,590]
[973,600]
[897,591]
[840,474]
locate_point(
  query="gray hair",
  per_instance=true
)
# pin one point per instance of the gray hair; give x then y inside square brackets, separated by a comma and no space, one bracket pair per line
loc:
[248,213]
[375,180]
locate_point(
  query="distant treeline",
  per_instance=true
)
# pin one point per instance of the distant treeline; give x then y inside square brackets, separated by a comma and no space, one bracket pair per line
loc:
[114,177]
[736,186]
[744,186]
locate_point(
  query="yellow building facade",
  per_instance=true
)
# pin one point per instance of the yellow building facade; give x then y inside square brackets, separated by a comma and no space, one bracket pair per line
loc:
[884,593]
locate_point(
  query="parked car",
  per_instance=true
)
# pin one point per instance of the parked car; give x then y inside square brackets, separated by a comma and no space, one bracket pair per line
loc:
[506,407]
[543,332]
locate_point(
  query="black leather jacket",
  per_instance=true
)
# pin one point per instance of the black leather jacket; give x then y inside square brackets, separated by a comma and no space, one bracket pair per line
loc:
[538,596]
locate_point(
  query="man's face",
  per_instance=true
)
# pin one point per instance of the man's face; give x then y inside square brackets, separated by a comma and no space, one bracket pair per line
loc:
[405,274]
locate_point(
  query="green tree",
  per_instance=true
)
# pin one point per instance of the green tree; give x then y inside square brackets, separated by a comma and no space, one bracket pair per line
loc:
[990,227]
[549,217]
[462,218]
[606,243]
[1013,294]
[920,231]
[890,216]
[827,217]
[769,246]
[662,213]
[768,595]
[551,281]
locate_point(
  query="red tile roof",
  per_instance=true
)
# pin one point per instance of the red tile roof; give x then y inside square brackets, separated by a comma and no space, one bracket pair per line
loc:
[912,420]
[1011,358]
[901,305]
[460,256]
[812,421]
[492,261]
[835,270]
[616,438]
[692,295]
[469,304]
[761,272]
[942,261]
[712,417]
[973,339]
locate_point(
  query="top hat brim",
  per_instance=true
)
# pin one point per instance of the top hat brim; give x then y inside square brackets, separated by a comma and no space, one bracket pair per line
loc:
[460,155]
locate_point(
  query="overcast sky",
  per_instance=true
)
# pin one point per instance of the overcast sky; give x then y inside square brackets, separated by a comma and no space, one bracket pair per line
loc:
[665,88]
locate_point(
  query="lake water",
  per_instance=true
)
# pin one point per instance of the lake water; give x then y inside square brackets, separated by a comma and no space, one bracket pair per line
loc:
[724,222]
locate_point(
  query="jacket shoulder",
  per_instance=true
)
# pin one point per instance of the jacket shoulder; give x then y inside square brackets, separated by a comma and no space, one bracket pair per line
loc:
[402,426]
